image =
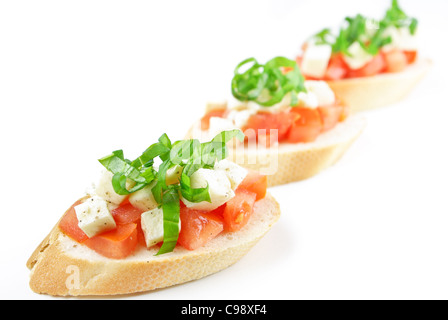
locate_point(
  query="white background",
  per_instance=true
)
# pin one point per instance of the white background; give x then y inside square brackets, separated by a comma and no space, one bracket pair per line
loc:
[79,79]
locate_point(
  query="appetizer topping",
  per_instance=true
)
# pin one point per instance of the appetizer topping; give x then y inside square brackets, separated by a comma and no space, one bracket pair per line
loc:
[186,200]
[361,47]
[94,216]
[370,34]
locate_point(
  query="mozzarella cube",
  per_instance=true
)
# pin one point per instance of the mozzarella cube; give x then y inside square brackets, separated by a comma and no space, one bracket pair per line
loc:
[307,100]
[219,188]
[402,39]
[143,199]
[94,217]
[152,226]
[173,175]
[325,96]
[240,117]
[315,60]
[106,191]
[358,56]
[234,172]
[218,125]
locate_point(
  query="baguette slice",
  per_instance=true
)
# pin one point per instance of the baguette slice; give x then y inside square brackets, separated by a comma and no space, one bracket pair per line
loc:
[58,260]
[294,162]
[380,90]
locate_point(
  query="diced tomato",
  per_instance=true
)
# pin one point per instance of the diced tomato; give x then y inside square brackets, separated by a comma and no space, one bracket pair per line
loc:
[69,225]
[205,121]
[337,68]
[198,227]
[256,183]
[396,61]
[306,127]
[117,243]
[140,234]
[330,116]
[280,121]
[375,66]
[126,213]
[238,210]
[219,211]
[411,56]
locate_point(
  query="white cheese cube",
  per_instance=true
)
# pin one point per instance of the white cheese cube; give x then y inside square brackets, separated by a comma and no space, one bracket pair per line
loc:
[402,39]
[325,96]
[359,57]
[173,175]
[143,199]
[94,216]
[240,117]
[234,172]
[152,226]
[315,60]
[218,125]
[307,100]
[219,186]
[106,191]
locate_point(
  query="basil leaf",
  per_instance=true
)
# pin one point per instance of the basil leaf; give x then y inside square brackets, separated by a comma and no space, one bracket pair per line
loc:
[171,213]
[188,155]
[119,181]
[267,84]
[160,149]
[115,163]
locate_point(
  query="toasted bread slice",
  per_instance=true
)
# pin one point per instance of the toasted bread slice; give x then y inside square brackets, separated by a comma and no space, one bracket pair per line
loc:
[61,266]
[294,162]
[380,90]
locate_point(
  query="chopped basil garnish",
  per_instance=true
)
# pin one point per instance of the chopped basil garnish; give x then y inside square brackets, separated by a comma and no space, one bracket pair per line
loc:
[267,84]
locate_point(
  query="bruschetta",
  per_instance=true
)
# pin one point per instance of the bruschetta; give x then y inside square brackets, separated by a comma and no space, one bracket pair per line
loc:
[147,226]
[293,128]
[368,63]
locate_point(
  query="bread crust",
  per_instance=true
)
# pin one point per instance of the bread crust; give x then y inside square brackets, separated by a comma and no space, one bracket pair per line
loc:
[362,94]
[52,263]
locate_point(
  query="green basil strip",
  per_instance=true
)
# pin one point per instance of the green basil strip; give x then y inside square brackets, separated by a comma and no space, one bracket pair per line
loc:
[193,194]
[115,164]
[154,151]
[171,213]
[184,150]
[119,184]
[216,149]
